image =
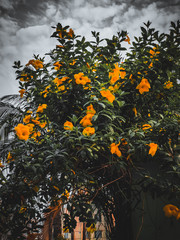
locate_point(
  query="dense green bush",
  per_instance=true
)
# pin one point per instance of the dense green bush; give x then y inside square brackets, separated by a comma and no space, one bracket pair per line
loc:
[95,131]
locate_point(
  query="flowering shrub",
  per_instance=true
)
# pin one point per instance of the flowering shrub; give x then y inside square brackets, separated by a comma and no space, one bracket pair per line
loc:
[91,126]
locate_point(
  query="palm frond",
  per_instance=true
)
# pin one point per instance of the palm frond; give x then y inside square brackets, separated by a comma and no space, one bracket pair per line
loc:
[11,108]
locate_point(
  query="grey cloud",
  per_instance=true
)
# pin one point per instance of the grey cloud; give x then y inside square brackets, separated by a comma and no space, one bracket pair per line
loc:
[23,11]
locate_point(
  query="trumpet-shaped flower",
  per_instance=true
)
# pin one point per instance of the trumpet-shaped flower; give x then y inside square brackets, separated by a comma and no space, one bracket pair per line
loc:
[171,210]
[9,158]
[25,78]
[22,91]
[107,94]
[88,131]
[127,39]
[135,111]
[71,32]
[114,75]
[68,126]
[22,131]
[153,52]
[146,126]
[46,91]
[73,62]
[91,110]
[115,149]
[27,118]
[41,108]
[42,124]
[81,79]
[35,63]
[86,120]
[122,73]
[57,65]
[153,148]
[168,84]
[57,81]
[31,127]
[143,86]
[36,121]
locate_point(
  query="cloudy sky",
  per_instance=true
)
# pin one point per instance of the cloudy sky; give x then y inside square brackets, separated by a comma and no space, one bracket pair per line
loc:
[25,25]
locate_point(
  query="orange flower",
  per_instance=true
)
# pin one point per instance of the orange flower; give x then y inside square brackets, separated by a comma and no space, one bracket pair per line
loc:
[132,79]
[168,85]
[1,165]
[60,46]
[22,91]
[114,75]
[9,158]
[71,32]
[65,194]
[150,65]
[135,111]
[87,64]
[86,121]
[68,126]
[35,121]
[57,81]
[115,149]
[88,131]
[91,110]
[122,73]
[114,78]
[123,141]
[27,118]
[61,88]
[42,125]
[127,39]
[22,131]
[153,148]
[46,91]
[35,135]
[73,62]
[41,108]
[153,52]
[143,86]
[146,126]
[31,127]
[60,34]
[81,79]
[171,210]
[57,65]
[22,209]
[35,63]
[107,94]
[24,77]
[56,188]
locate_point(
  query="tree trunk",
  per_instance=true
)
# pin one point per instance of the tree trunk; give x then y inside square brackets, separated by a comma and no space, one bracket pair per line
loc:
[123,225]
[72,235]
[84,231]
[122,214]
[57,226]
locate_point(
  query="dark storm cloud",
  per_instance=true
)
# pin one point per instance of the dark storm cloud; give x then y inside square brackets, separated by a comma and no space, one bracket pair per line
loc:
[23,11]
